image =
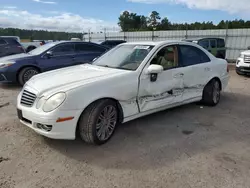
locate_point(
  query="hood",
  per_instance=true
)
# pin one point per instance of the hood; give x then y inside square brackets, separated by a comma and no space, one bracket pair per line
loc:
[16,57]
[68,78]
[247,52]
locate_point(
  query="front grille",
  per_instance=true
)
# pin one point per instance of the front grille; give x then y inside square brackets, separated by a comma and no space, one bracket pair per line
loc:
[28,98]
[247,58]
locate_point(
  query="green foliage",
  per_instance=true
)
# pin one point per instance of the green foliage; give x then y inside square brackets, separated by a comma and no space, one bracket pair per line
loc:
[129,21]
[38,34]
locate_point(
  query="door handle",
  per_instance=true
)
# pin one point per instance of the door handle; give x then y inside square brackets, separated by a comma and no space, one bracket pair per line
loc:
[179,75]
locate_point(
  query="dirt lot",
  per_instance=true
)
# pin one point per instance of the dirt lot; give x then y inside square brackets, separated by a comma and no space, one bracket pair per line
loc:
[185,147]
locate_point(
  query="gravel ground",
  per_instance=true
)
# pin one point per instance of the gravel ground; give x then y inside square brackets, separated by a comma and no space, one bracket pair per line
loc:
[188,146]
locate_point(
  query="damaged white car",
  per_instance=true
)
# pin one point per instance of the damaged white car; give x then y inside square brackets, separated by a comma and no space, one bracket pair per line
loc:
[129,81]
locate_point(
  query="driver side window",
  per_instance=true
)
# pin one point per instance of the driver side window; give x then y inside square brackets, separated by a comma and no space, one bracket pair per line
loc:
[64,49]
[167,57]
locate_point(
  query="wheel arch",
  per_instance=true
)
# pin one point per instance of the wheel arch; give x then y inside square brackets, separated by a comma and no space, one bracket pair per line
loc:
[119,107]
[25,66]
[217,79]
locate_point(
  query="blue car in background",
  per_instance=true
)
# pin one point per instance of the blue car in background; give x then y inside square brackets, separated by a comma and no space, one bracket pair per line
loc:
[21,67]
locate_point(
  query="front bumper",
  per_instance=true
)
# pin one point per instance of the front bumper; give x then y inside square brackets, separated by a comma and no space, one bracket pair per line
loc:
[6,76]
[243,70]
[34,118]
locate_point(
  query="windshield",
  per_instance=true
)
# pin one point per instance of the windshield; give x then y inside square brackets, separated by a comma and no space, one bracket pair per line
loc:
[41,49]
[127,57]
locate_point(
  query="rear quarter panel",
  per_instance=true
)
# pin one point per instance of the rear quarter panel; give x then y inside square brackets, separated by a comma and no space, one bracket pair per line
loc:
[219,70]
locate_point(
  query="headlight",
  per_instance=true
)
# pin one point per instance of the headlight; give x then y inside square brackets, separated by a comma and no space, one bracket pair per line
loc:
[54,102]
[40,102]
[6,64]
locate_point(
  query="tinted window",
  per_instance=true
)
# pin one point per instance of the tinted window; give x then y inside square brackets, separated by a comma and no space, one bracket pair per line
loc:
[89,48]
[63,49]
[204,43]
[2,42]
[191,55]
[220,43]
[12,41]
[213,43]
[167,57]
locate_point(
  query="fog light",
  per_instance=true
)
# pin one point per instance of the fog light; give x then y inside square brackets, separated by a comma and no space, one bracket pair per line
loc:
[47,128]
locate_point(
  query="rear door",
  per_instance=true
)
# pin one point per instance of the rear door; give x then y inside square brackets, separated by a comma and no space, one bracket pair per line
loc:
[86,52]
[196,73]
[3,47]
[62,56]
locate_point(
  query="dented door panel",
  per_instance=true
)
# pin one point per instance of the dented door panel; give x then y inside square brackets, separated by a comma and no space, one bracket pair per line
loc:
[166,90]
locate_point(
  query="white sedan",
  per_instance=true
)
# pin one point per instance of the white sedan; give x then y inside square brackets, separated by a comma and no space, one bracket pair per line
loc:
[129,81]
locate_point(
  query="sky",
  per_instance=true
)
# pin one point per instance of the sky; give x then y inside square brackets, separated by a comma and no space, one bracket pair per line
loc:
[95,15]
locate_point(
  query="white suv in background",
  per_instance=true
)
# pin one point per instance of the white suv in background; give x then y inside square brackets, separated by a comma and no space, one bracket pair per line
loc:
[243,63]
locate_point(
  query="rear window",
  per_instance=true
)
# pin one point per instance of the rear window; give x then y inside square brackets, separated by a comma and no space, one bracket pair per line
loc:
[213,43]
[204,43]
[220,43]
[12,41]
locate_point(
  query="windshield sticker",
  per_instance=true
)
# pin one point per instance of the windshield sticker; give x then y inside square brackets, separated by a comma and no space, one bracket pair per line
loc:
[142,47]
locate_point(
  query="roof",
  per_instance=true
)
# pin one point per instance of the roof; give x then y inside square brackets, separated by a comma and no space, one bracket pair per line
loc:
[200,38]
[152,43]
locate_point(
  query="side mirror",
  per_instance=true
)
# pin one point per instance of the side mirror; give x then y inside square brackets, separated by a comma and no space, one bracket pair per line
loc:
[49,54]
[154,69]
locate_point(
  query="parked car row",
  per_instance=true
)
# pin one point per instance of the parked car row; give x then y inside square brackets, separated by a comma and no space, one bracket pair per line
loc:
[126,82]
[21,67]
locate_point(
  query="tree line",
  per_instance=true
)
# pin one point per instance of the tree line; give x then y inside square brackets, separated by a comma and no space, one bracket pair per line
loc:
[38,34]
[129,21]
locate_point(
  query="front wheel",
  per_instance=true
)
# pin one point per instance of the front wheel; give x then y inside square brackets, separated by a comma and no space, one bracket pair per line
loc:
[98,122]
[26,73]
[211,93]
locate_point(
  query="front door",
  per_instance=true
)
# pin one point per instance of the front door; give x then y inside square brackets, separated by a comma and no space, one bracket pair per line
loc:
[167,88]
[62,56]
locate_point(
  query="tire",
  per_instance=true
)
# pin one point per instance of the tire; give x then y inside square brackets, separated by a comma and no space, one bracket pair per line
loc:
[25,74]
[93,123]
[211,93]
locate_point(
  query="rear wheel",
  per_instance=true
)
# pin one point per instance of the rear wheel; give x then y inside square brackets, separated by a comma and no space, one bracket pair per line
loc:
[211,93]
[98,122]
[26,73]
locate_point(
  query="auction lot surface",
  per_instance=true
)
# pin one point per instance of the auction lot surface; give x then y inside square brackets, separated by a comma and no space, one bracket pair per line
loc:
[188,146]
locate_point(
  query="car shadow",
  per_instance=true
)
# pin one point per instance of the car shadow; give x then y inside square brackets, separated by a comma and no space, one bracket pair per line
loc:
[10,86]
[155,140]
